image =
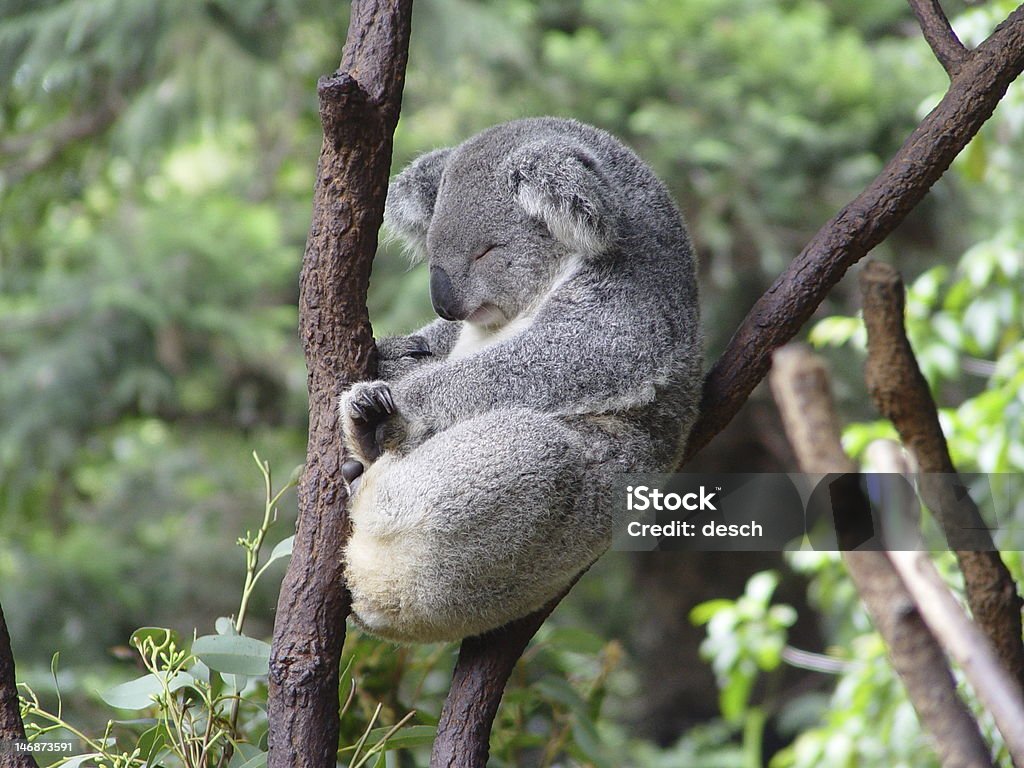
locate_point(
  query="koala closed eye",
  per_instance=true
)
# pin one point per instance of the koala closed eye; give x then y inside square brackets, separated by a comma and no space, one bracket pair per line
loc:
[484,251]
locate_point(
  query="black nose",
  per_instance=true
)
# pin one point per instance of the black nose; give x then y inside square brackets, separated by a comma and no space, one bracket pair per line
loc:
[442,294]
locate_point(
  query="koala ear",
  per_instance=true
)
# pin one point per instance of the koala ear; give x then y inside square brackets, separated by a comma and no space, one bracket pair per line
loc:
[561,184]
[411,197]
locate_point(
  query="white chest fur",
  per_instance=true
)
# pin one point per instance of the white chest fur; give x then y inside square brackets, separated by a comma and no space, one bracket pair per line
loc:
[475,338]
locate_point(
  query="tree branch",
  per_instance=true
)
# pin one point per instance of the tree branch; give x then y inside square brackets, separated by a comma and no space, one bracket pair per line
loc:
[780,313]
[11,726]
[803,394]
[901,394]
[478,682]
[967,645]
[359,108]
[940,35]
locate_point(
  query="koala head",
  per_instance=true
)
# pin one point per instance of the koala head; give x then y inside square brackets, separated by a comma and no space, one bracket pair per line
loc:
[501,218]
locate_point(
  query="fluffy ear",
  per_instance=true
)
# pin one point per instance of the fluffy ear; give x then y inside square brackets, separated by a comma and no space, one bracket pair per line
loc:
[411,197]
[561,184]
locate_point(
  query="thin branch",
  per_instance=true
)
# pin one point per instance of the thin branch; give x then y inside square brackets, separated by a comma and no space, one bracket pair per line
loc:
[784,308]
[11,727]
[966,644]
[801,387]
[901,394]
[940,35]
[359,108]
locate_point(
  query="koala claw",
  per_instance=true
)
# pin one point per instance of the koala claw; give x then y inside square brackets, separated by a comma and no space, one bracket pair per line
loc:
[370,407]
[374,403]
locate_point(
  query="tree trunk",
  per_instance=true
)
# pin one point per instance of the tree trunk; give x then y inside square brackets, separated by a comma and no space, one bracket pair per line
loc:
[359,107]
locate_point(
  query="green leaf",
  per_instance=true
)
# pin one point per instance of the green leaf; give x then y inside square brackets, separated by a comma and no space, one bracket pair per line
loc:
[406,738]
[248,756]
[761,585]
[557,689]
[235,683]
[973,160]
[283,549]
[140,693]
[233,654]
[834,331]
[585,735]
[224,626]
[702,613]
[79,760]
[152,741]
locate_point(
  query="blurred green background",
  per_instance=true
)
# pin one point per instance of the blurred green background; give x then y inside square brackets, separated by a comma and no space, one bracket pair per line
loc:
[157,161]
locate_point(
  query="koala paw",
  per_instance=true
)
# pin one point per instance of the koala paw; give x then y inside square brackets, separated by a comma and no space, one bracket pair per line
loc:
[366,408]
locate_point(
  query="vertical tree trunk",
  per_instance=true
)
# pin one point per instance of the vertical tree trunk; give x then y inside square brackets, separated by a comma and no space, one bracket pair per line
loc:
[359,107]
[11,726]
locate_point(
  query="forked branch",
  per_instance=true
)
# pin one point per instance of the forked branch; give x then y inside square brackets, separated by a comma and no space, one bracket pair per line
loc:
[784,308]
[940,35]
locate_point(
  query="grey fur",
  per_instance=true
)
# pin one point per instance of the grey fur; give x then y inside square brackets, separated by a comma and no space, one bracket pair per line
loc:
[489,461]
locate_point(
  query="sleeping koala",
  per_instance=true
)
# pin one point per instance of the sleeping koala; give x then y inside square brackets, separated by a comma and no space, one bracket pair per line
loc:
[568,350]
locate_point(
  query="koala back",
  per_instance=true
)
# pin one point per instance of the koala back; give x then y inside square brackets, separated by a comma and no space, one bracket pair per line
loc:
[559,252]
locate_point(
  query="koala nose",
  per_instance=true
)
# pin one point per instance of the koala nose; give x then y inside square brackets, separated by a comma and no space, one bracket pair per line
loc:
[442,294]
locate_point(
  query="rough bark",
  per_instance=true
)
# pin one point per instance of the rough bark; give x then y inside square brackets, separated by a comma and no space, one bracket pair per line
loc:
[801,388]
[940,35]
[478,682]
[359,107]
[11,726]
[901,394]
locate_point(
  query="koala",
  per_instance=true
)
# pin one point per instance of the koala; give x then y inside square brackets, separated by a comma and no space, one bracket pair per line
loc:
[567,351]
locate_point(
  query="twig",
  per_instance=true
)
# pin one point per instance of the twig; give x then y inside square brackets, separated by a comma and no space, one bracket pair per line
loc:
[901,394]
[359,108]
[940,35]
[801,388]
[966,644]
[783,309]
[11,726]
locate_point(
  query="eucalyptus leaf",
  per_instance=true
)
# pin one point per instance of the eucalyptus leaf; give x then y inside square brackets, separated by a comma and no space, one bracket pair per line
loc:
[140,693]
[233,654]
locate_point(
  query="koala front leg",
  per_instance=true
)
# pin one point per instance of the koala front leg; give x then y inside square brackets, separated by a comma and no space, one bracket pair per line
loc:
[365,409]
